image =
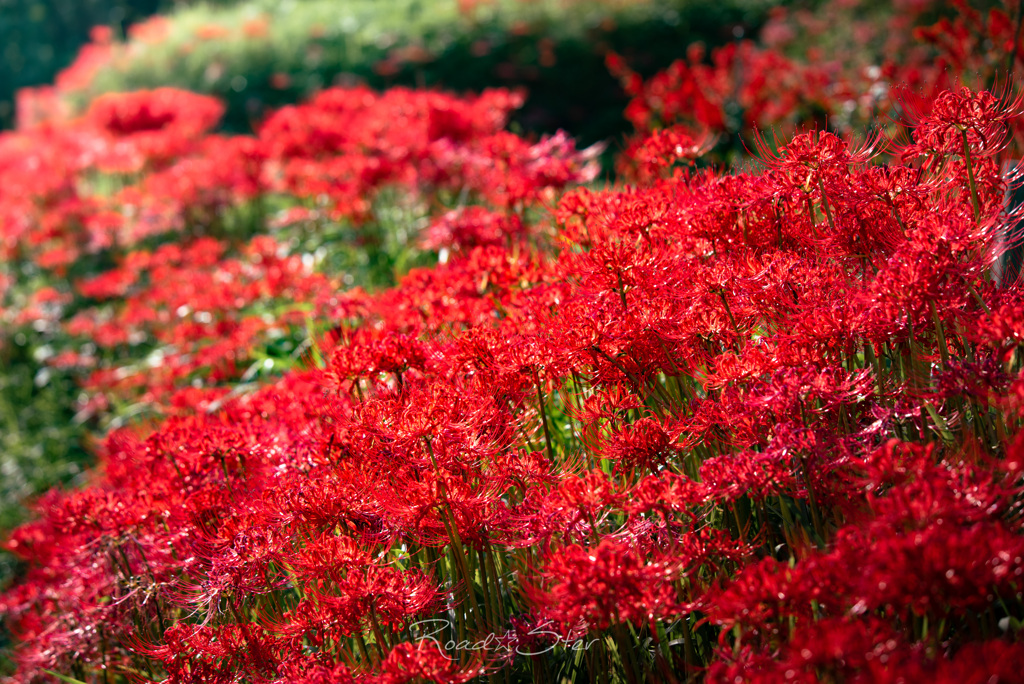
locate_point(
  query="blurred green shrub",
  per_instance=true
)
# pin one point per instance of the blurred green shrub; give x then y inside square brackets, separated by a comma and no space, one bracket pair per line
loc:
[262,54]
[40,443]
[40,37]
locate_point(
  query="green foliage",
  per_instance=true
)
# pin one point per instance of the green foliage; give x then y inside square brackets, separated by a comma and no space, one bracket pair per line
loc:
[259,55]
[41,444]
[40,37]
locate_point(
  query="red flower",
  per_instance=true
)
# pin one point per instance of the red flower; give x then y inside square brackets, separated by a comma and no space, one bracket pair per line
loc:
[150,126]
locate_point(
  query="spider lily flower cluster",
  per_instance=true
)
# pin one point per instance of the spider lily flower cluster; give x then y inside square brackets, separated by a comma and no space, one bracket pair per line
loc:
[754,426]
[760,426]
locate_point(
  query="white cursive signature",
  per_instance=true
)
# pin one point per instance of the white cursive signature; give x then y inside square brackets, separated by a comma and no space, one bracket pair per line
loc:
[494,642]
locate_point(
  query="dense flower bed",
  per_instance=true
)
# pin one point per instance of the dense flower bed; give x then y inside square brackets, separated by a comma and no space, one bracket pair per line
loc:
[749,426]
[192,289]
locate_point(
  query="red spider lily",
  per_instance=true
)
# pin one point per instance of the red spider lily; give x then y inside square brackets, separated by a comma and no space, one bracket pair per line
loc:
[968,124]
[150,126]
[423,660]
[743,88]
[605,585]
[462,229]
[662,150]
[212,654]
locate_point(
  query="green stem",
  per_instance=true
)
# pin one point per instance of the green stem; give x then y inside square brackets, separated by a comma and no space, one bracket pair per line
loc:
[543,416]
[970,178]
[725,303]
[943,349]
[622,292]
[824,203]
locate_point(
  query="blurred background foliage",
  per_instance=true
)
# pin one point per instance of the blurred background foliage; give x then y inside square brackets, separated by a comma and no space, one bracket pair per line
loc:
[261,54]
[40,37]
